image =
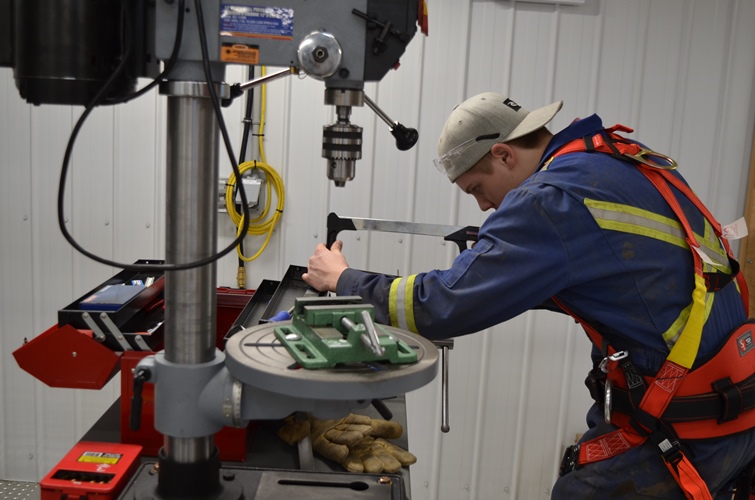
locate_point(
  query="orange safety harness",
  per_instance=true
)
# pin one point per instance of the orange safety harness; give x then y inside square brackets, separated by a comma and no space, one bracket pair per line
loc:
[681,401]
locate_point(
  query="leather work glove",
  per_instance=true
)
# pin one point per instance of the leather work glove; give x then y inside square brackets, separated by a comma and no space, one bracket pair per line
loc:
[357,442]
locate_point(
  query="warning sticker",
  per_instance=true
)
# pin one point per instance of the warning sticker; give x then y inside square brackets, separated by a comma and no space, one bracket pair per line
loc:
[239,54]
[98,457]
[256,22]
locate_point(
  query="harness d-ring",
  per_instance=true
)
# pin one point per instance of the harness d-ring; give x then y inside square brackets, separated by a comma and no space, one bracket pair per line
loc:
[643,157]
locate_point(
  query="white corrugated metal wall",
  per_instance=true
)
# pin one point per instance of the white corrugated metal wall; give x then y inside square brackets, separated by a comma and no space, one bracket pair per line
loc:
[679,71]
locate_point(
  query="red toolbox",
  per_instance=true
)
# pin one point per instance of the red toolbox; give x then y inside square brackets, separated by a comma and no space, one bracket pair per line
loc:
[92,470]
[69,355]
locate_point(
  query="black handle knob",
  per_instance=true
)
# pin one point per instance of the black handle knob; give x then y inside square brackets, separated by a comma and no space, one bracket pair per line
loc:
[406,138]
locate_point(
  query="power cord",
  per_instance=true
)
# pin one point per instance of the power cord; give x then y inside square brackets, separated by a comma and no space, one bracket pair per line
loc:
[98,99]
[168,65]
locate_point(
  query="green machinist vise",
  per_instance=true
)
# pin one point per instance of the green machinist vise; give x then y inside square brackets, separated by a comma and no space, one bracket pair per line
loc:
[326,331]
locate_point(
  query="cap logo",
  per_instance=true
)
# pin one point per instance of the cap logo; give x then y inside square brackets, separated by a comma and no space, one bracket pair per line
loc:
[512,104]
[744,343]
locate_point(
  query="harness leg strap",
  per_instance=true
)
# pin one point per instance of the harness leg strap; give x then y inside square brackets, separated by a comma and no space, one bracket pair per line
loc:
[680,467]
[689,480]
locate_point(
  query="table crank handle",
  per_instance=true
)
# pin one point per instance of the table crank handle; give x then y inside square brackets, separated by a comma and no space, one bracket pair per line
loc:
[382,409]
[444,427]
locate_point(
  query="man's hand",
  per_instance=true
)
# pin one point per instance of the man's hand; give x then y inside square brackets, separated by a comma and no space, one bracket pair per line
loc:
[325,267]
[357,442]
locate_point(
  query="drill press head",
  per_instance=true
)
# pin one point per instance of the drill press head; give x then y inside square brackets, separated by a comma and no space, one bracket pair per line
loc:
[360,47]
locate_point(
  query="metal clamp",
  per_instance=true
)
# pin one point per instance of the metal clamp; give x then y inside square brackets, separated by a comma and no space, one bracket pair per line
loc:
[606,365]
[613,358]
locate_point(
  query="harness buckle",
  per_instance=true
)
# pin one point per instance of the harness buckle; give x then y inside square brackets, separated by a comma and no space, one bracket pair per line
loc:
[613,358]
[570,461]
[671,451]
[643,156]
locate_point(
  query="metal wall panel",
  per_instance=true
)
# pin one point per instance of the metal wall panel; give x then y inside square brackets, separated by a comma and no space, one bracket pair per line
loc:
[679,71]
[18,435]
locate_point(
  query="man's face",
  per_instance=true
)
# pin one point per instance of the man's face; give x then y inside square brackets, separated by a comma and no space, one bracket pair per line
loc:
[504,168]
[486,182]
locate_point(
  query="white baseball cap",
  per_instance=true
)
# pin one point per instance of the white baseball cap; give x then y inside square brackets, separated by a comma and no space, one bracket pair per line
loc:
[481,121]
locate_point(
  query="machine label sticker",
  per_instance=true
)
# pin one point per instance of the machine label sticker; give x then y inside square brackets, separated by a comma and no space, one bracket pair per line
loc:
[744,343]
[99,457]
[239,54]
[256,22]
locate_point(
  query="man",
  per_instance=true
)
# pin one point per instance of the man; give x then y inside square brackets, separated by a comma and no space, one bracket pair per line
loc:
[578,225]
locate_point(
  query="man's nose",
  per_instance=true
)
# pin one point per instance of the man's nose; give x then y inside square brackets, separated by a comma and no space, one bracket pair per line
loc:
[484,204]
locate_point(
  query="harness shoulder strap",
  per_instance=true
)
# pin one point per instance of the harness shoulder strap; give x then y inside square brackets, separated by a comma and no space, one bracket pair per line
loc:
[646,421]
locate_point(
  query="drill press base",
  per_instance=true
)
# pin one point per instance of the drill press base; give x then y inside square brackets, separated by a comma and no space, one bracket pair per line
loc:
[240,483]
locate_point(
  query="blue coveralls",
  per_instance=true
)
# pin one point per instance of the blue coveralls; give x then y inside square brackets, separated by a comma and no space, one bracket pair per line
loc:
[590,230]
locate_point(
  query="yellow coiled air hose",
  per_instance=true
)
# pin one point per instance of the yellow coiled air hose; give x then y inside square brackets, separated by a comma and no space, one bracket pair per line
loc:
[262,225]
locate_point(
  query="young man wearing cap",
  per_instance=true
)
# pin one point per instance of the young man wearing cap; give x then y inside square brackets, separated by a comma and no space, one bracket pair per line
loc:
[578,225]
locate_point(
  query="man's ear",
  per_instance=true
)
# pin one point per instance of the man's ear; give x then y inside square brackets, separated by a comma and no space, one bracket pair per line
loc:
[504,153]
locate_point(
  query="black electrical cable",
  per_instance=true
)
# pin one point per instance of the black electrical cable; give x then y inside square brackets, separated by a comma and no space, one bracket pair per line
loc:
[168,65]
[219,115]
[247,118]
[245,142]
[215,100]
[96,100]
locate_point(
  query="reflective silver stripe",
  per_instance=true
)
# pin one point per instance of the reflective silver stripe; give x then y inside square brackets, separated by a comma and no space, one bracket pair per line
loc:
[625,218]
[628,219]
[630,215]
[713,248]
[398,303]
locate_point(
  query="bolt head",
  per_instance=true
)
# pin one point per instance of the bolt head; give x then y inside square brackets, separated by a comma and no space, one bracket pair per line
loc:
[320,54]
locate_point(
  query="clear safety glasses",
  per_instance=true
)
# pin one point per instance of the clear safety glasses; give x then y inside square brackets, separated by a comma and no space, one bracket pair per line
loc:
[445,162]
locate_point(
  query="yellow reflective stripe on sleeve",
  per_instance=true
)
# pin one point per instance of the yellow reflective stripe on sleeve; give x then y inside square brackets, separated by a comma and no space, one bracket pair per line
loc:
[401,303]
[684,351]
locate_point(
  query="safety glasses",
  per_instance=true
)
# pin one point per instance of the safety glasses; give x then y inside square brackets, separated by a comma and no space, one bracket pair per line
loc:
[445,162]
